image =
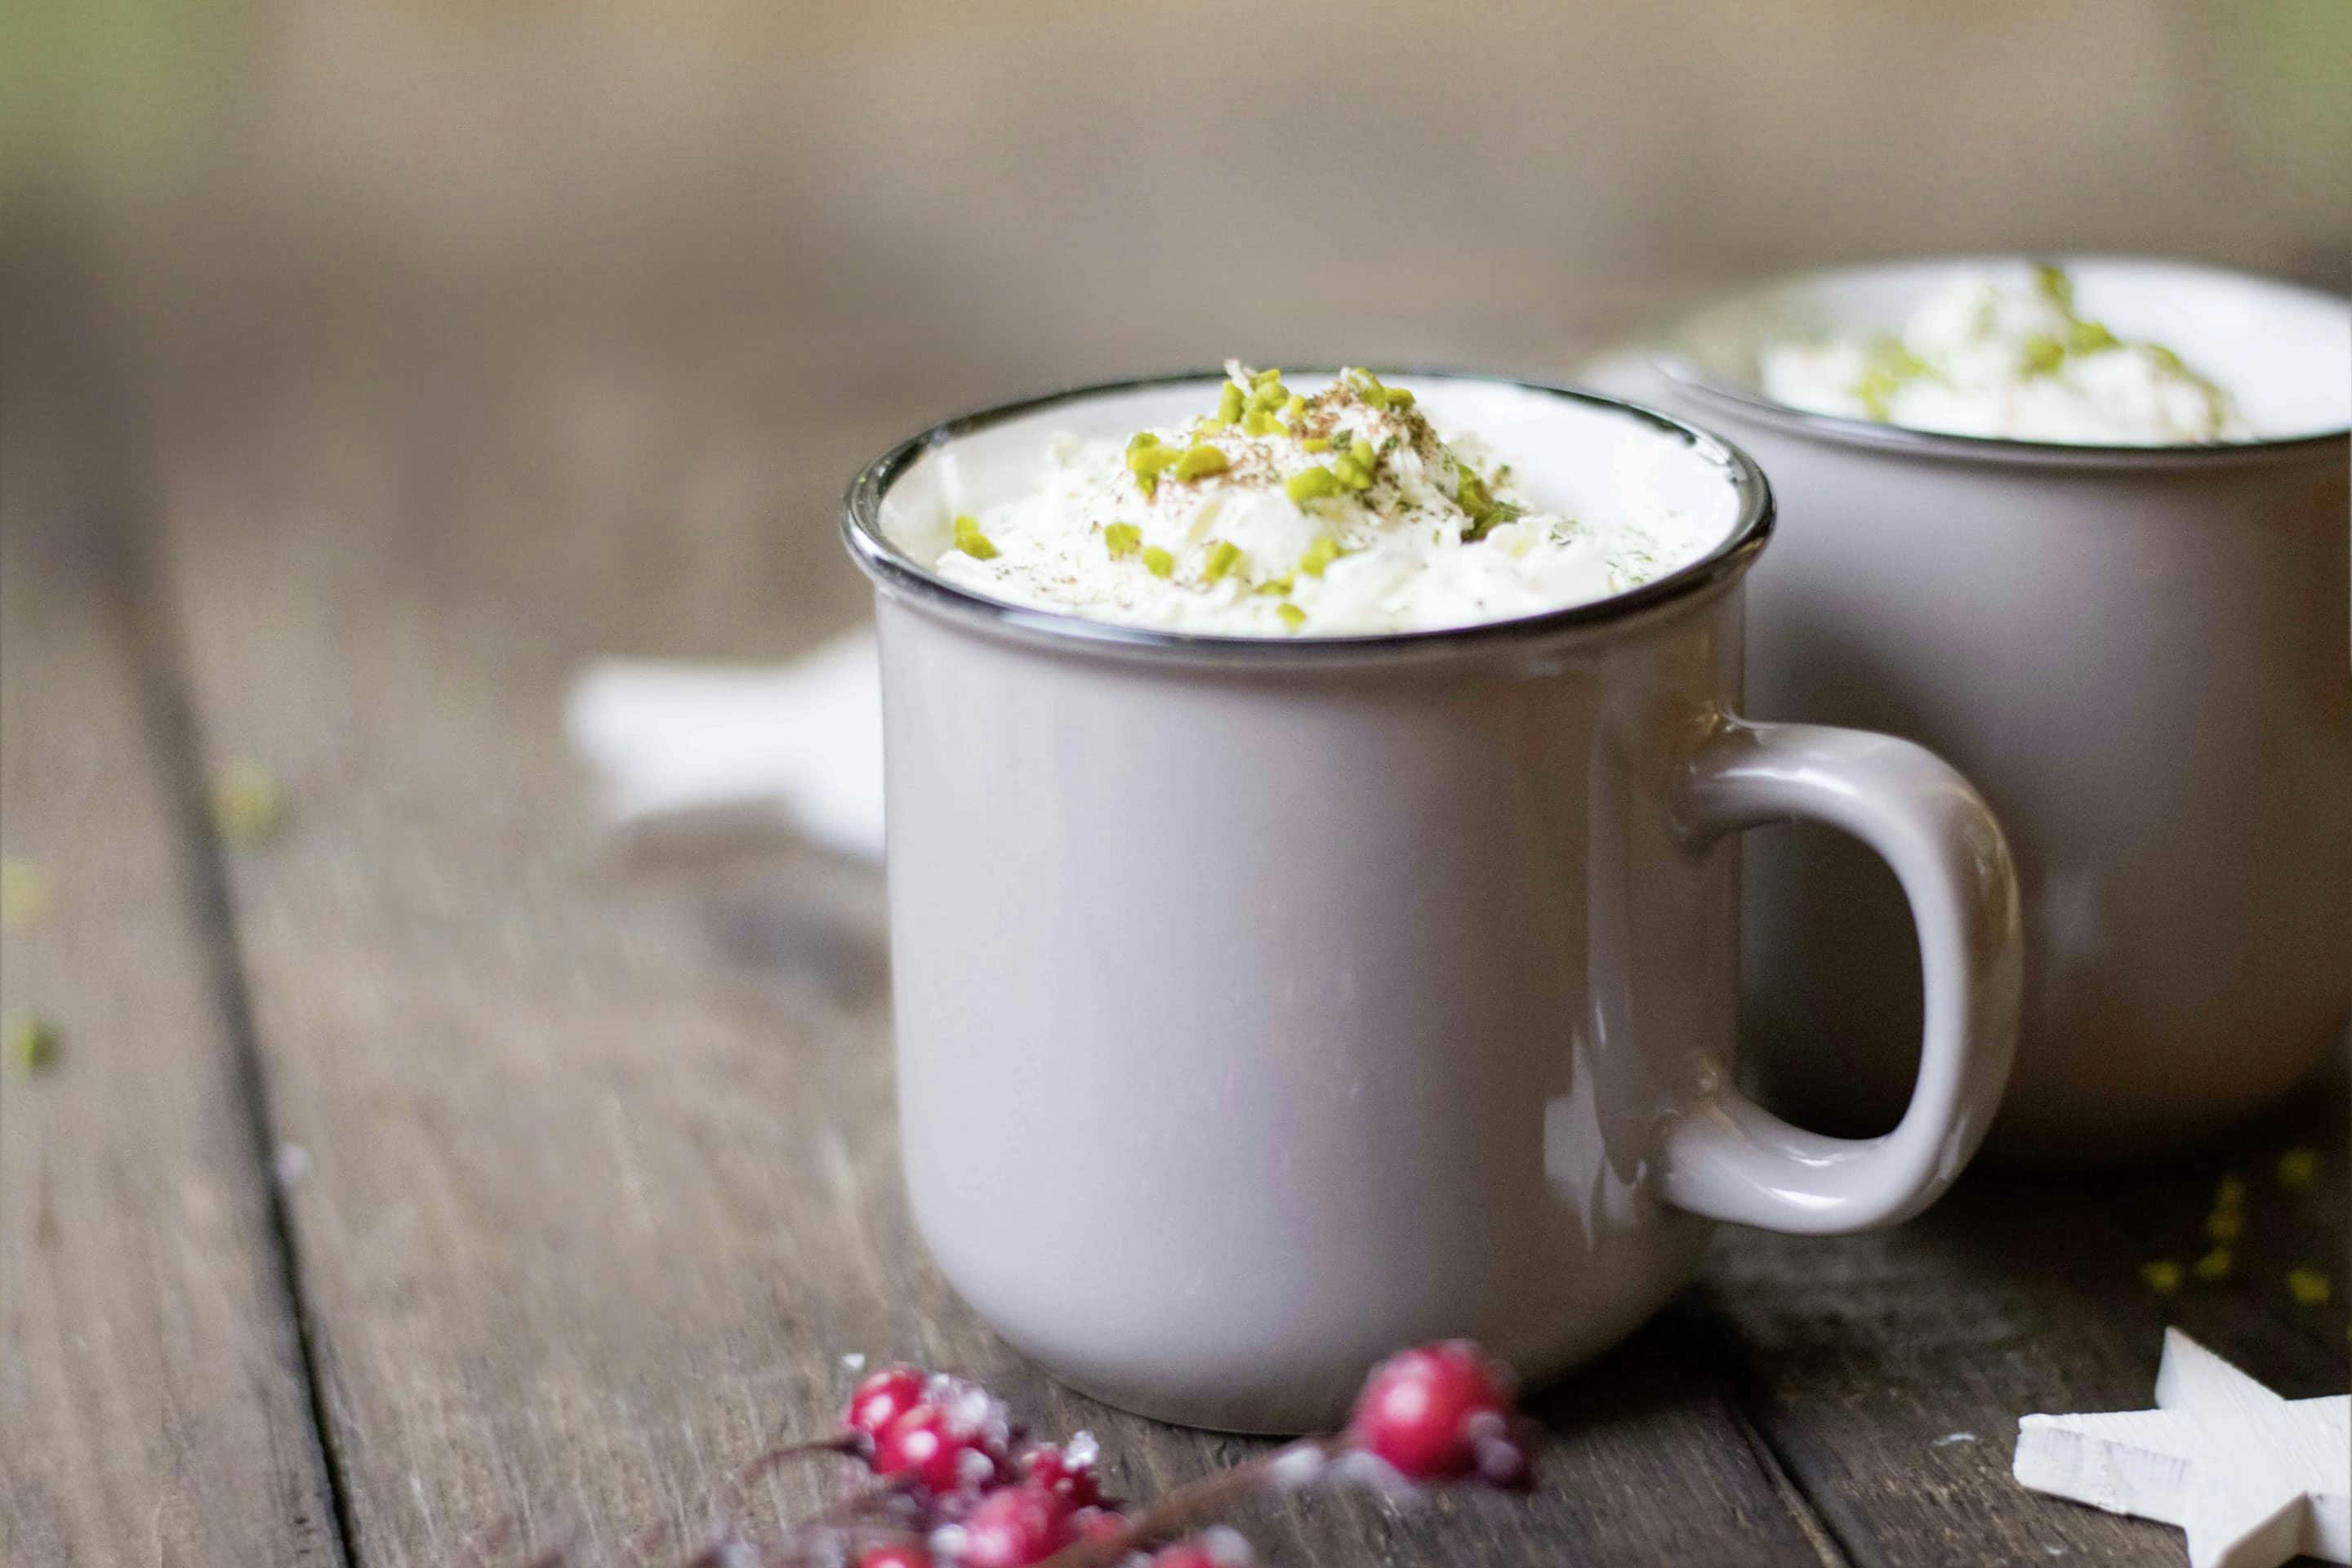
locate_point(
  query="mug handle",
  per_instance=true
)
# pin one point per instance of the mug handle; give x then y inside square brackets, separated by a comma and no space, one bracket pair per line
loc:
[1728,1158]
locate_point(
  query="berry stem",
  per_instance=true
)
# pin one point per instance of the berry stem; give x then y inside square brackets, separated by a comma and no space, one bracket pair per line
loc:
[1195,1503]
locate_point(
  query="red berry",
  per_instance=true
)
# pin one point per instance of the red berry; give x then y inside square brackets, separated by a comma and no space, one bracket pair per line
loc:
[1439,1412]
[882,1398]
[942,1449]
[1067,1472]
[897,1554]
[1014,1526]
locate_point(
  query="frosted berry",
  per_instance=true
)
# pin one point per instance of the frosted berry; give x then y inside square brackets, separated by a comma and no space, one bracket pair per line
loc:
[897,1554]
[1215,1548]
[1440,1413]
[939,1449]
[882,1398]
[1067,1471]
[1014,1526]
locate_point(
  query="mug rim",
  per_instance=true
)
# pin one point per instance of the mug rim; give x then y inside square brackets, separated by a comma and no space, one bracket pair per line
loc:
[893,570]
[1672,360]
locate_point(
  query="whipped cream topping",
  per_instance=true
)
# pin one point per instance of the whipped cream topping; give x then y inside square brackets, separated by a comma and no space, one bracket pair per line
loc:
[2006,353]
[1344,512]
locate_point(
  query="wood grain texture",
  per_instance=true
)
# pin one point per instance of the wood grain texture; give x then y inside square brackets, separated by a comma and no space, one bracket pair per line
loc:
[603,1178]
[1864,1359]
[152,1402]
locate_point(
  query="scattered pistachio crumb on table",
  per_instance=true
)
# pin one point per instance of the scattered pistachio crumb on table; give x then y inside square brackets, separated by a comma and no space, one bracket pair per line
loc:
[2163,1276]
[24,893]
[249,803]
[2308,1285]
[32,1043]
[2298,1168]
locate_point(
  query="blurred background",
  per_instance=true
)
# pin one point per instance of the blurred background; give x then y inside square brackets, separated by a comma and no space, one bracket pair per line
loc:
[712,254]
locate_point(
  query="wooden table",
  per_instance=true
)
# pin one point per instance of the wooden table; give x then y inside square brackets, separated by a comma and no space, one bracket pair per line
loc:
[438,1160]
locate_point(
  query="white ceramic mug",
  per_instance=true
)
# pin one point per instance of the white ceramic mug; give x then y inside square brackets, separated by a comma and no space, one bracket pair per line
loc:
[2138,654]
[1264,1006]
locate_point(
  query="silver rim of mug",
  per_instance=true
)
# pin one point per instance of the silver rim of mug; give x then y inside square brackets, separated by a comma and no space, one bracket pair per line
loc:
[894,571]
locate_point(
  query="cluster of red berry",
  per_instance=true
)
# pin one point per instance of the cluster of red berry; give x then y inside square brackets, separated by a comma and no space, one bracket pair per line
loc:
[982,1497]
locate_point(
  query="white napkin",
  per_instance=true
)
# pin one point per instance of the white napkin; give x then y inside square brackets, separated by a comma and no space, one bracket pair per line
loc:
[670,739]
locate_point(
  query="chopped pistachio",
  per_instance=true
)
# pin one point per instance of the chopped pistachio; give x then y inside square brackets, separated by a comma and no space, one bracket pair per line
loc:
[24,893]
[1122,539]
[1145,460]
[2043,355]
[1274,587]
[1200,462]
[249,803]
[1400,397]
[2164,357]
[2298,1168]
[1260,422]
[2225,1224]
[1224,557]
[1319,554]
[1311,484]
[1229,403]
[1876,392]
[1158,562]
[2089,337]
[2230,1191]
[1361,450]
[1352,474]
[1292,615]
[1368,387]
[32,1043]
[1266,397]
[971,541]
[2214,1266]
[1316,442]
[1343,439]
[1265,378]
[1470,493]
[1294,407]
[2163,1276]
[2055,285]
[2308,1285]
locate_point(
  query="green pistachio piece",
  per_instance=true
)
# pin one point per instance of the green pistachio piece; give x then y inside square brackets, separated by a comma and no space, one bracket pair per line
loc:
[1275,586]
[2309,1286]
[1319,554]
[971,541]
[1224,557]
[2163,1276]
[1261,422]
[32,1043]
[1876,392]
[1314,442]
[1351,473]
[1294,407]
[1292,615]
[2089,337]
[1200,462]
[2055,285]
[1312,484]
[2164,357]
[2043,355]
[1229,403]
[1122,539]
[1265,378]
[1368,387]
[1400,397]
[249,803]
[1158,562]
[1361,450]
[2298,1168]
[2214,1266]
[1146,457]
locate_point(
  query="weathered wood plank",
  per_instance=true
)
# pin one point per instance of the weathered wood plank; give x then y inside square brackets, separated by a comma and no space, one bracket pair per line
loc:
[153,1407]
[1865,1360]
[603,1180]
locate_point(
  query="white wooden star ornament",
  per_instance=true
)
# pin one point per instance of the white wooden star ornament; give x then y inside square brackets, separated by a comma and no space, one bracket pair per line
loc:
[2253,1478]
